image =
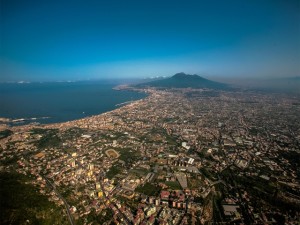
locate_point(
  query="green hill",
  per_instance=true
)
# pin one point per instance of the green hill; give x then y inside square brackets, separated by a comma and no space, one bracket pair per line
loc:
[21,203]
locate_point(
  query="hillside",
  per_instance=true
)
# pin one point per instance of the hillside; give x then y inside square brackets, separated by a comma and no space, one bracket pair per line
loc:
[182,80]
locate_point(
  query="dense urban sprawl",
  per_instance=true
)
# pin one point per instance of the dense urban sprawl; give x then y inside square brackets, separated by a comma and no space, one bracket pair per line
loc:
[179,156]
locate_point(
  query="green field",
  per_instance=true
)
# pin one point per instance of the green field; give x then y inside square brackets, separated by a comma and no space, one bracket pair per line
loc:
[49,138]
[174,185]
[5,133]
[148,189]
[113,171]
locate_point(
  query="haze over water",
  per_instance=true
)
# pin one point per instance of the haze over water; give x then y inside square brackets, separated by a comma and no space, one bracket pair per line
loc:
[61,101]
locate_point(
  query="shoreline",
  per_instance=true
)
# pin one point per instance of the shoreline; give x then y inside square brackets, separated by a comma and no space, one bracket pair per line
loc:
[75,123]
[10,123]
[86,120]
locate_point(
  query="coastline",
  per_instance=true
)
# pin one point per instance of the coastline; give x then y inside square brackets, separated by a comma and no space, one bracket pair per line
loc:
[87,120]
[102,118]
[149,132]
[11,122]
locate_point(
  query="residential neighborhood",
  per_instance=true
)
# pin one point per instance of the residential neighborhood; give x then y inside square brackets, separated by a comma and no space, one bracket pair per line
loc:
[179,156]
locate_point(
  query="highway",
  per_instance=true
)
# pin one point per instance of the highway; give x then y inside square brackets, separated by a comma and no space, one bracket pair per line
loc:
[71,220]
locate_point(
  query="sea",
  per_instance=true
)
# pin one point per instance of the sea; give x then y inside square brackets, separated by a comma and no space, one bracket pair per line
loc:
[53,102]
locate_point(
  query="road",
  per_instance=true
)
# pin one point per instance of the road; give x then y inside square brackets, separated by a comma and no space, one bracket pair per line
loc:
[71,220]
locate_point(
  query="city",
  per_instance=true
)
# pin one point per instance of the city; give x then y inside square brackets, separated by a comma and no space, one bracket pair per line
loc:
[179,156]
[152,112]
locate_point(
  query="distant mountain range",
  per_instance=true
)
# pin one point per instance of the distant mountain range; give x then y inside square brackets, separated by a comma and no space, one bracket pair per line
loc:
[182,80]
[284,84]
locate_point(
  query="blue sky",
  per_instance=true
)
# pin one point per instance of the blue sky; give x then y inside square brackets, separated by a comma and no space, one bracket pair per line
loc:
[81,39]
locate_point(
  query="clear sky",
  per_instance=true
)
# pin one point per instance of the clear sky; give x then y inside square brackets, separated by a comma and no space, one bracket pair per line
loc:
[80,39]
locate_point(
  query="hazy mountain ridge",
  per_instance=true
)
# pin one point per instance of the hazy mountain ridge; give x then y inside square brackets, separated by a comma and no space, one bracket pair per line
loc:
[281,84]
[182,80]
